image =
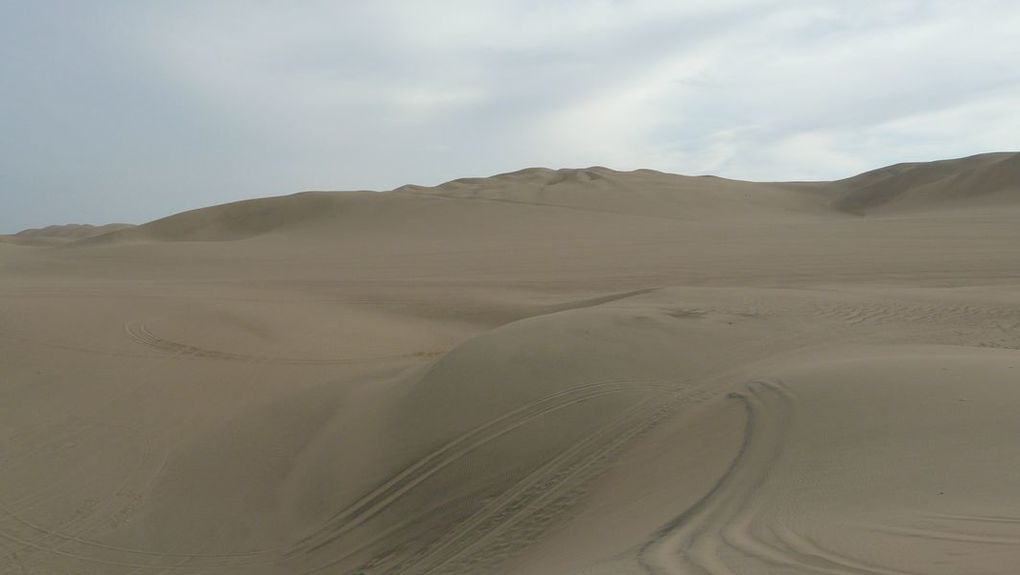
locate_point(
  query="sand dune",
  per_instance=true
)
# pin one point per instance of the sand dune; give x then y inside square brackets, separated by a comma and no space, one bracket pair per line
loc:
[542,372]
[983,180]
[50,235]
[240,220]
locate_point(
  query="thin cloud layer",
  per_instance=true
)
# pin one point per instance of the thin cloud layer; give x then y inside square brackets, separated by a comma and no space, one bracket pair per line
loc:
[129,111]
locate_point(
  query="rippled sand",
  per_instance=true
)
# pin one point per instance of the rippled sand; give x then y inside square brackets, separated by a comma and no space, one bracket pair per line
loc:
[543,372]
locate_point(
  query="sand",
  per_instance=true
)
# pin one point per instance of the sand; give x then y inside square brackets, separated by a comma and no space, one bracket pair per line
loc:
[60,234]
[542,372]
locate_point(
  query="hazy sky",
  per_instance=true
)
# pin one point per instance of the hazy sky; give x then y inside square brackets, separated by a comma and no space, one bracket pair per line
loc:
[128,111]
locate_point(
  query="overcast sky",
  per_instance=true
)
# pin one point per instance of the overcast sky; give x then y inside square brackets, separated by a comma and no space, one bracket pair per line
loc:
[129,111]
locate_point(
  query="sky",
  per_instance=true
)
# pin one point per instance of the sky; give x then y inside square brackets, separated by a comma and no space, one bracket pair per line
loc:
[130,111]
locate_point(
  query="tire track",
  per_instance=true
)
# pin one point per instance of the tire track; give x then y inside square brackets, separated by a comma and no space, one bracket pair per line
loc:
[702,538]
[385,494]
[519,515]
[940,535]
[977,518]
[827,561]
[693,541]
[53,539]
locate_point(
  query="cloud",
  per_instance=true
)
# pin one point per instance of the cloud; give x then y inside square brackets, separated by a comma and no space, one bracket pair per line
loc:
[130,111]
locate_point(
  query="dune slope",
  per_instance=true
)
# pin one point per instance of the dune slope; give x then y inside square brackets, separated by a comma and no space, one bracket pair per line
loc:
[542,372]
[981,180]
[51,235]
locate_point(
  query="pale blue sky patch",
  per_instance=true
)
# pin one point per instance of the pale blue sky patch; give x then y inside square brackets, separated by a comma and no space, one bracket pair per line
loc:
[129,111]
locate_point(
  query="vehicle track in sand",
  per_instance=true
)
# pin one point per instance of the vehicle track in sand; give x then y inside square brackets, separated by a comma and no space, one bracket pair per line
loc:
[508,522]
[515,518]
[519,516]
[115,506]
[421,470]
[72,544]
[723,524]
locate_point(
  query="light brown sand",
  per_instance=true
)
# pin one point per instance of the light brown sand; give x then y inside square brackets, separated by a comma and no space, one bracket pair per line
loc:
[543,372]
[60,234]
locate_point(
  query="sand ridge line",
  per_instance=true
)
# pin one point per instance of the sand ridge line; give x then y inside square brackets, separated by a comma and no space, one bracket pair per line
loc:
[137,331]
[78,348]
[454,197]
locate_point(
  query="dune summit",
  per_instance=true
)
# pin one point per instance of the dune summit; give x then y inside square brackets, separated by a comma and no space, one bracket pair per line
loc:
[544,372]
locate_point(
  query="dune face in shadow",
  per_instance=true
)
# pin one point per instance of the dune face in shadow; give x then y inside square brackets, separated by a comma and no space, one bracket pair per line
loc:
[541,372]
[988,178]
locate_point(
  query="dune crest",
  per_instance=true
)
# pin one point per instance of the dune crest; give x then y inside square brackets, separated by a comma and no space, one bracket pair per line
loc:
[985,179]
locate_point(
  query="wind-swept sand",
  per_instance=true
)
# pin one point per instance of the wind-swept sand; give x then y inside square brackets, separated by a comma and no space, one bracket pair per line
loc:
[542,372]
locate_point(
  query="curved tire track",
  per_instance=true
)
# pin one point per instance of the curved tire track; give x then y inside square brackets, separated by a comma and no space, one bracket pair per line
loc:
[721,523]
[691,543]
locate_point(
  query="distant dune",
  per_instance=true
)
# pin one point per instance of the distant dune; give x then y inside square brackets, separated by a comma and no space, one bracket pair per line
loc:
[238,220]
[544,372]
[62,233]
[984,180]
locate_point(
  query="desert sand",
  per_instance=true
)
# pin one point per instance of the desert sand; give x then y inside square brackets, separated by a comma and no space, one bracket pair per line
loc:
[546,372]
[60,234]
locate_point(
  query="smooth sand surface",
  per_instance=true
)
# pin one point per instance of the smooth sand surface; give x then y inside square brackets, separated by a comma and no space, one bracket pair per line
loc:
[60,234]
[543,372]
